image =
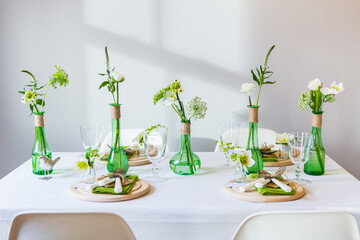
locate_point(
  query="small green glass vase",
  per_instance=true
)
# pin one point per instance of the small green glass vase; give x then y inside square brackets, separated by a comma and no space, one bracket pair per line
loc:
[253,142]
[41,146]
[185,162]
[117,158]
[314,152]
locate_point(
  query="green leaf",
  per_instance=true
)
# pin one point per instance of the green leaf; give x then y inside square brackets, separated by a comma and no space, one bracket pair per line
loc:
[40,102]
[31,108]
[332,100]
[255,78]
[102,74]
[268,55]
[103,84]
[269,82]
[87,155]
[22,92]
[31,75]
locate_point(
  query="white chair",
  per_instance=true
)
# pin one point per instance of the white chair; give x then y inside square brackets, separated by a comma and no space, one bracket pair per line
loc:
[264,135]
[308,225]
[69,226]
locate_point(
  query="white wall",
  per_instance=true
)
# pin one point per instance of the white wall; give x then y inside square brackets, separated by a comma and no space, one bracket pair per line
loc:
[209,45]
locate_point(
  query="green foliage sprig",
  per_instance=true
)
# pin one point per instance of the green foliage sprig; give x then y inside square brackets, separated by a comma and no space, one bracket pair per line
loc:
[30,92]
[140,138]
[90,155]
[113,79]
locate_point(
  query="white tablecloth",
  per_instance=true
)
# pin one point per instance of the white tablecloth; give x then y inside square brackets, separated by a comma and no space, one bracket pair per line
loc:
[184,207]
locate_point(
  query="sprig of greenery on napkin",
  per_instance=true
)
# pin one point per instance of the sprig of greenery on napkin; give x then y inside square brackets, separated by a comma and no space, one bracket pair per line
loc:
[126,189]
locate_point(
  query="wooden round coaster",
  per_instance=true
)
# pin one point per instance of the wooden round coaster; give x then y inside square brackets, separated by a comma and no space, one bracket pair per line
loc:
[254,196]
[280,162]
[140,188]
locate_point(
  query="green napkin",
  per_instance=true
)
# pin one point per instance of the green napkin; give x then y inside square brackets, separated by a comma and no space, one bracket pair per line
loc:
[269,159]
[126,189]
[274,191]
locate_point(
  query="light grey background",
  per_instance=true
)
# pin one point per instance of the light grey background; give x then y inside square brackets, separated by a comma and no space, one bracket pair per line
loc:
[209,45]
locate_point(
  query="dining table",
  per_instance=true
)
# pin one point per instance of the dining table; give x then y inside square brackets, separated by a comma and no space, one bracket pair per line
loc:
[182,207]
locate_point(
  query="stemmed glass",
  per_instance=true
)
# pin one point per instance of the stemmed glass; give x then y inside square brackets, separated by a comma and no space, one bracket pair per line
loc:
[229,134]
[296,145]
[91,136]
[155,146]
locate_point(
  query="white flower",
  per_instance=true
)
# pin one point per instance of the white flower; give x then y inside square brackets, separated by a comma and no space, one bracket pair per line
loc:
[138,138]
[282,138]
[196,108]
[247,88]
[334,89]
[315,84]
[169,98]
[23,99]
[244,158]
[119,77]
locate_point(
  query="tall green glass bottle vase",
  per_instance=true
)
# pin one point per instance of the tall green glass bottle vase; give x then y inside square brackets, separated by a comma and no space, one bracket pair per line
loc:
[253,142]
[185,162]
[41,146]
[117,158]
[314,151]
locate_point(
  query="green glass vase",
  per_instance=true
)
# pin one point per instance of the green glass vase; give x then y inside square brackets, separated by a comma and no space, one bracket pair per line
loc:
[253,142]
[314,152]
[41,146]
[185,162]
[117,158]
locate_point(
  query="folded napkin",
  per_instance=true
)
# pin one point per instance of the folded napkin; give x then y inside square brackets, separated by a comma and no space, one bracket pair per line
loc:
[274,191]
[269,159]
[126,189]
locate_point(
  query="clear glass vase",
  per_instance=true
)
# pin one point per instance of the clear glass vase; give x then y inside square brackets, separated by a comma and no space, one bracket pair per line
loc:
[89,175]
[185,162]
[314,152]
[283,151]
[117,157]
[41,146]
[239,174]
[253,143]
[141,150]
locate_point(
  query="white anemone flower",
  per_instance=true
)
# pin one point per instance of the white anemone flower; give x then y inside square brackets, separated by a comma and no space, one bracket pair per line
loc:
[247,88]
[282,138]
[117,76]
[315,84]
[23,99]
[245,158]
[334,89]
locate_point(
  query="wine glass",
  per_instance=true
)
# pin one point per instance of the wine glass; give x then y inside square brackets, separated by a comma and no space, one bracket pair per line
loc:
[296,145]
[91,136]
[155,146]
[229,134]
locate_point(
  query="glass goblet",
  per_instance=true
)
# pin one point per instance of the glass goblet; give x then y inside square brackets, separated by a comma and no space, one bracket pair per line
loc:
[229,134]
[91,136]
[296,145]
[155,146]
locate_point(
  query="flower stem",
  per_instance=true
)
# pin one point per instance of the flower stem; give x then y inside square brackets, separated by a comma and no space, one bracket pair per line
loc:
[43,99]
[176,111]
[257,101]
[250,100]
[117,93]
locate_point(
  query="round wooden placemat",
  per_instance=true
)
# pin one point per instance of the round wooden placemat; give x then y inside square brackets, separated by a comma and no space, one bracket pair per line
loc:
[280,162]
[140,188]
[254,196]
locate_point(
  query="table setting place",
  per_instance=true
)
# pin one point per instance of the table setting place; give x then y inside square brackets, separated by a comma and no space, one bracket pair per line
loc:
[240,146]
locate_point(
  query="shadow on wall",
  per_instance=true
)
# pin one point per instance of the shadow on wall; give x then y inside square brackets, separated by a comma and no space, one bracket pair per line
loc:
[199,144]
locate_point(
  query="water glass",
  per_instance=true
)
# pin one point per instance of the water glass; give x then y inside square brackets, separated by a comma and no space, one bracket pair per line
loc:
[155,146]
[91,136]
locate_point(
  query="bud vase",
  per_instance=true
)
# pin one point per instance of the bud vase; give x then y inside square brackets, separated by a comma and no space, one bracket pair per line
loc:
[314,152]
[252,143]
[41,146]
[117,157]
[185,162]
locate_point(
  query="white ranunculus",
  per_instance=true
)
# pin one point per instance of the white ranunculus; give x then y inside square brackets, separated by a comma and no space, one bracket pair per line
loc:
[282,138]
[117,76]
[244,157]
[334,89]
[138,137]
[315,84]
[247,88]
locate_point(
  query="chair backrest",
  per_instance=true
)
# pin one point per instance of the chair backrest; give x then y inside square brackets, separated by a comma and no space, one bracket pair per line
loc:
[264,135]
[310,225]
[69,226]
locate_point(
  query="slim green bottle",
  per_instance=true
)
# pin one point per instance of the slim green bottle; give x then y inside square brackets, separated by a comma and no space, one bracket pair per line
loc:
[253,142]
[185,162]
[41,146]
[117,158]
[314,152]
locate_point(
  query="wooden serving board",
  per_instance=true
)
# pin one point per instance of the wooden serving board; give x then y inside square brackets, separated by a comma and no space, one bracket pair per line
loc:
[133,160]
[280,162]
[140,188]
[254,196]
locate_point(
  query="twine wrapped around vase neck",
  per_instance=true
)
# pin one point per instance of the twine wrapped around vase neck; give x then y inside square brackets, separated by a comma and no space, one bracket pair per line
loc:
[317,120]
[115,112]
[185,128]
[39,120]
[253,115]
